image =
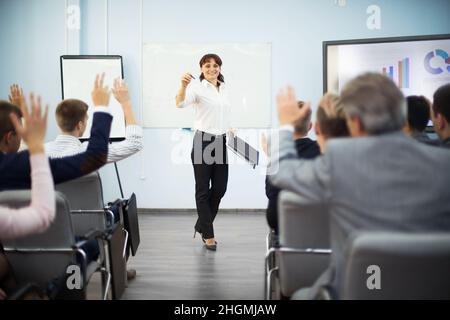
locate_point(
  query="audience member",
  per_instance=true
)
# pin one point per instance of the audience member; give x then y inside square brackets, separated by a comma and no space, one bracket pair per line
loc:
[418,118]
[15,167]
[330,123]
[72,118]
[377,180]
[36,217]
[330,120]
[440,114]
[306,148]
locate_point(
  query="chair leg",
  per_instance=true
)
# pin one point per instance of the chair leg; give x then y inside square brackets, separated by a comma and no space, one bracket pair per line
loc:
[269,264]
[266,270]
[269,283]
[106,281]
[106,270]
[265,280]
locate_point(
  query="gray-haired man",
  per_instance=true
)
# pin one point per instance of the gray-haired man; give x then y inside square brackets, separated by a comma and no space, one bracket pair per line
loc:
[377,180]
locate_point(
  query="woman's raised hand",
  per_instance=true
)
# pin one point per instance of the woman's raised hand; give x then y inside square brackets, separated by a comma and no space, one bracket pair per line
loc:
[186,79]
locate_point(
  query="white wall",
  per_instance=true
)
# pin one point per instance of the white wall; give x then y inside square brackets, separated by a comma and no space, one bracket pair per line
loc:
[296,29]
[32,37]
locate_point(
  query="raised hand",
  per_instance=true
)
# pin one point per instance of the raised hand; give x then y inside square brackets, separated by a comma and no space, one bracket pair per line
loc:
[15,95]
[34,124]
[186,79]
[122,95]
[120,91]
[100,94]
[288,110]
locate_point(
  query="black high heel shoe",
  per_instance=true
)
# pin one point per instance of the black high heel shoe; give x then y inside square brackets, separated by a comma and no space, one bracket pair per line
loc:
[212,247]
[196,231]
[204,240]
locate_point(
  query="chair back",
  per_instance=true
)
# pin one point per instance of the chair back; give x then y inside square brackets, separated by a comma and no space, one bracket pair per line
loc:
[301,227]
[85,193]
[396,266]
[40,258]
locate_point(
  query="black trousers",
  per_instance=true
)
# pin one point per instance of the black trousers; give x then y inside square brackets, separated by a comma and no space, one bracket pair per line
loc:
[210,161]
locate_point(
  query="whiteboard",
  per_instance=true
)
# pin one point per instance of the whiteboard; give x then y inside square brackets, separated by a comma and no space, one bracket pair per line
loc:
[77,79]
[246,69]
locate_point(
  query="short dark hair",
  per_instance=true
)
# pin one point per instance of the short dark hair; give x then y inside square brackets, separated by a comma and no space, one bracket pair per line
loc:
[418,112]
[441,101]
[303,126]
[206,59]
[331,117]
[6,124]
[69,113]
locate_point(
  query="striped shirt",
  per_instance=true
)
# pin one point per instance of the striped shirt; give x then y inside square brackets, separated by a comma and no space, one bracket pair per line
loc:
[67,145]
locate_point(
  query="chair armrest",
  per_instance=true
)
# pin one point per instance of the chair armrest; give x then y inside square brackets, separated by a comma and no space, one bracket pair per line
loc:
[27,288]
[105,211]
[302,250]
[120,204]
[274,250]
[93,234]
[85,220]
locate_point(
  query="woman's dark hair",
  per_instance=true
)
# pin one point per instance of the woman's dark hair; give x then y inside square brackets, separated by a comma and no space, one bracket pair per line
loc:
[206,59]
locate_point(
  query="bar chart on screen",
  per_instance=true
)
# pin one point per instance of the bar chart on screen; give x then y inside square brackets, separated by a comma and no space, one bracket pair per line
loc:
[402,73]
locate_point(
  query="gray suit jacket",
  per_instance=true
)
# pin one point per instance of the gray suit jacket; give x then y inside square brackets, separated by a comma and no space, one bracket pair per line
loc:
[386,182]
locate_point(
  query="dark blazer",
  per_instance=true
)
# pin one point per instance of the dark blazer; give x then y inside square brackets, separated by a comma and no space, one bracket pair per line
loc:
[424,138]
[306,149]
[15,167]
[446,143]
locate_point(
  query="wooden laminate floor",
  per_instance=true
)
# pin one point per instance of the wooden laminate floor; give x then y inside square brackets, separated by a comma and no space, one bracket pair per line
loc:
[170,264]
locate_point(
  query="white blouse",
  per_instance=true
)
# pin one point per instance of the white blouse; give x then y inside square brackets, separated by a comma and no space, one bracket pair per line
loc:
[212,106]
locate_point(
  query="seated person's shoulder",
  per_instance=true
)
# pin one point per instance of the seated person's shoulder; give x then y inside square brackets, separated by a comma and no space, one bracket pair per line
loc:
[336,144]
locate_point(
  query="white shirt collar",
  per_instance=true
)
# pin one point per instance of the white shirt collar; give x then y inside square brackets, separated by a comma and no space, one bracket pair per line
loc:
[207,84]
[67,138]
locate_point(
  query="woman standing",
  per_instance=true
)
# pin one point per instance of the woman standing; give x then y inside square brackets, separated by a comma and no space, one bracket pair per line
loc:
[209,156]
